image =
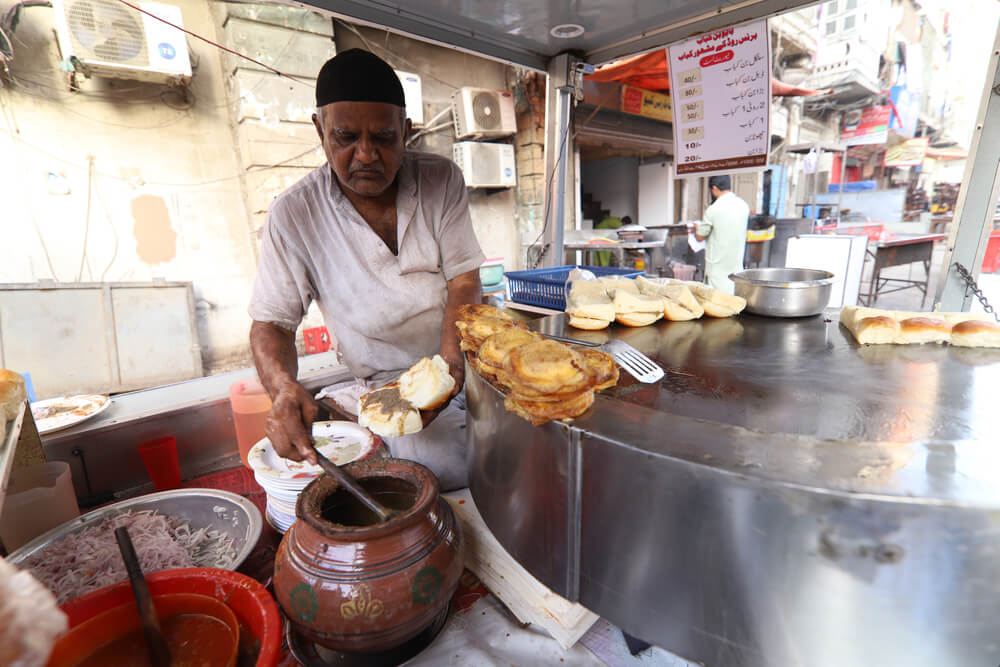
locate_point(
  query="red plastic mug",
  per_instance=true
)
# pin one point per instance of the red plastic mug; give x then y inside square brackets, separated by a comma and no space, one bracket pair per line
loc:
[160,458]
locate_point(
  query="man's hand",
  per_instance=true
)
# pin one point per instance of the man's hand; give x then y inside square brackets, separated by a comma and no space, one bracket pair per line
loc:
[289,424]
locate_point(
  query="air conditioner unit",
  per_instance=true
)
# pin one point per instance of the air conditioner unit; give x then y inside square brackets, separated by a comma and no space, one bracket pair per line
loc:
[112,40]
[413,96]
[486,165]
[483,114]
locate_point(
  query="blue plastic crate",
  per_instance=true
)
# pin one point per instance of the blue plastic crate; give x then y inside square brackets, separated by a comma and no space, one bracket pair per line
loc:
[546,288]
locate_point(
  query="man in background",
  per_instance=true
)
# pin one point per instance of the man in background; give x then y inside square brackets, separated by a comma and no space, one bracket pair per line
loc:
[724,230]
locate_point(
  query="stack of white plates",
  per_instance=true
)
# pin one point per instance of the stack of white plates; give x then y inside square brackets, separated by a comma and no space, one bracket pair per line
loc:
[283,479]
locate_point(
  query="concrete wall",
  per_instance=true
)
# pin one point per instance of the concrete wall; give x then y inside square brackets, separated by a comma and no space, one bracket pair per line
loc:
[162,176]
[124,181]
[615,183]
[442,72]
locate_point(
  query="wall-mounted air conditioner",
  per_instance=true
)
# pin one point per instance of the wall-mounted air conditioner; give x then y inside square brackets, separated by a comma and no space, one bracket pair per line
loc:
[483,114]
[112,40]
[486,165]
[413,96]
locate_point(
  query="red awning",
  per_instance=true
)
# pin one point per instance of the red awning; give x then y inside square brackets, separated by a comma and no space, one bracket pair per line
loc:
[649,71]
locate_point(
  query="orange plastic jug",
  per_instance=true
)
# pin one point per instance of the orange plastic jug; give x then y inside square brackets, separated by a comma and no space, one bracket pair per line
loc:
[250,404]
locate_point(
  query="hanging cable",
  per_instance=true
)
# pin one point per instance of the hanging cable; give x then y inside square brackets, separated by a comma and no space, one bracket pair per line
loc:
[215,44]
[86,223]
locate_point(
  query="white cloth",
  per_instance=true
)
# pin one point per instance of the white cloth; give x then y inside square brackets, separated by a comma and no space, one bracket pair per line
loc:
[384,310]
[725,225]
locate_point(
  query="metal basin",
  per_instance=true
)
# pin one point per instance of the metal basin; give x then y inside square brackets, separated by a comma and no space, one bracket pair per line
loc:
[784,292]
[214,509]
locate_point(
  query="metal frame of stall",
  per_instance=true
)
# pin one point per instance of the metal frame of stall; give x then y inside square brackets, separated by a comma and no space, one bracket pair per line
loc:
[977,198]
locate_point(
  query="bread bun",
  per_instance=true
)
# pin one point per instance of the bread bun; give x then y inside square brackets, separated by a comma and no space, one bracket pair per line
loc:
[679,304]
[615,284]
[12,394]
[877,330]
[717,303]
[638,319]
[427,384]
[976,333]
[588,324]
[919,330]
[386,414]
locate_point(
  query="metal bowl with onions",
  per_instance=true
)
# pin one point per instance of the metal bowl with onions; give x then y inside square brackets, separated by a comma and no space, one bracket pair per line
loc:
[777,292]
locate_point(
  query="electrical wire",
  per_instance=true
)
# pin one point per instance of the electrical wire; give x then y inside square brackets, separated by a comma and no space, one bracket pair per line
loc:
[215,44]
[251,170]
[11,122]
[548,201]
[86,224]
[393,55]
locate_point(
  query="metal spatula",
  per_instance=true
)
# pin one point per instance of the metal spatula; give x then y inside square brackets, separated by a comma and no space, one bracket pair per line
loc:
[638,365]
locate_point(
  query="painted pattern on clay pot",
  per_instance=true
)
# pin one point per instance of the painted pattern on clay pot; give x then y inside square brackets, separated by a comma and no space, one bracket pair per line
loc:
[350,583]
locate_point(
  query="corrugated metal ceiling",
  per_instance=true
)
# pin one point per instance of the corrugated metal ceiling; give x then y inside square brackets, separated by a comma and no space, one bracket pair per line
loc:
[519,31]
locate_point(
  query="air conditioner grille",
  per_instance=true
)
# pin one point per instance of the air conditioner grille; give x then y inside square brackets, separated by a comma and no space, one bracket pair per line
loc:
[107,31]
[485,166]
[486,110]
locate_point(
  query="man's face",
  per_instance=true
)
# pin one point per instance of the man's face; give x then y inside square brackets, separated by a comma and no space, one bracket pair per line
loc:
[364,143]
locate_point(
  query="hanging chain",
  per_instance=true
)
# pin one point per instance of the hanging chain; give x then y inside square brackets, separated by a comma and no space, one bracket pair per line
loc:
[971,286]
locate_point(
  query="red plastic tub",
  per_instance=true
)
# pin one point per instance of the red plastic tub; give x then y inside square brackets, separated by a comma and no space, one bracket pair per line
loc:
[254,607]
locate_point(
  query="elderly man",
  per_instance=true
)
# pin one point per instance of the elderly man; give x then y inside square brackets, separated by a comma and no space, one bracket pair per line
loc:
[724,231]
[381,238]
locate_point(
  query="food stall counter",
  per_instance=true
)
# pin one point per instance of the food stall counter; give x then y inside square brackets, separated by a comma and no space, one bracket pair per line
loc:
[780,487]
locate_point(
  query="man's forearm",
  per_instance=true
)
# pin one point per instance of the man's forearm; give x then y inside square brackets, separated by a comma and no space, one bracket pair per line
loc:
[274,354]
[465,288]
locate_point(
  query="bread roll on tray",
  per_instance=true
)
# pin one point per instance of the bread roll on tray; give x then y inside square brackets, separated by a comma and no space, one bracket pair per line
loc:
[975,333]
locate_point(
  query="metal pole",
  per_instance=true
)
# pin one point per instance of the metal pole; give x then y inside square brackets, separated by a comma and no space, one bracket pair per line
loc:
[840,187]
[557,151]
[977,198]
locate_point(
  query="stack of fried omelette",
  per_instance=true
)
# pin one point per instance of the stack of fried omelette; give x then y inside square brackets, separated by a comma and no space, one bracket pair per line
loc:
[543,379]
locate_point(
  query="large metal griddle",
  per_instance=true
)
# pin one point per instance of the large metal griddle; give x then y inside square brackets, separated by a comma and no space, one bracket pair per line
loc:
[785,498]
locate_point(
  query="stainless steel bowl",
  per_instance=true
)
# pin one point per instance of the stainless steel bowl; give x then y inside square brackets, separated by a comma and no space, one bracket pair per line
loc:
[784,292]
[223,511]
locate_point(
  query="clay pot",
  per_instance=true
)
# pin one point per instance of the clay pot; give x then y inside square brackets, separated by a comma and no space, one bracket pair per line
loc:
[366,588]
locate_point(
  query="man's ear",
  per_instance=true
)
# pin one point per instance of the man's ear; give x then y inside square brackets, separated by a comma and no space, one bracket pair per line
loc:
[407,130]
[318,125]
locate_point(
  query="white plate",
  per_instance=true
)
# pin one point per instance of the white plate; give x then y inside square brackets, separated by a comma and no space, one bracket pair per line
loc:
[340,441]
[67,411]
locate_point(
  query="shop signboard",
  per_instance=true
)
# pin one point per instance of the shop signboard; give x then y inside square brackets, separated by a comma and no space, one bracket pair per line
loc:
[720,85]
[909,153]
[866,126]
[646,103]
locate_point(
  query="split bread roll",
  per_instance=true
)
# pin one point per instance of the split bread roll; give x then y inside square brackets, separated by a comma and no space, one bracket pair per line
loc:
[385,413]
[615,284]
[919,330]
[679,303]
[637,310]
[715,302]
[877,330]
[976,333]
[427,384]
[873,326]
[12,394]
[589,306]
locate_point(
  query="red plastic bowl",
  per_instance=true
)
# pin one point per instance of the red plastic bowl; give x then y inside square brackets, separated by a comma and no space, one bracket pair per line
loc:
[115,623]
[254,607]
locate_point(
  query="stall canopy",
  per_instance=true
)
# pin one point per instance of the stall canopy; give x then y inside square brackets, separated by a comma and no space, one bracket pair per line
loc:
[649,71]
[531,32]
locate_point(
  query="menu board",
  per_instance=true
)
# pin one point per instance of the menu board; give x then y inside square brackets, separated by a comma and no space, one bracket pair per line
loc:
[720,85]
